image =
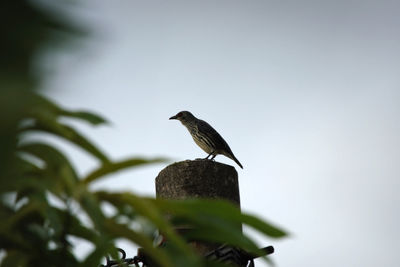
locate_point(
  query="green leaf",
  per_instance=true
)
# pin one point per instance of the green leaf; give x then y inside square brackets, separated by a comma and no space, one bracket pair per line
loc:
[100,251]
[16,178]
[215,220]
[122,231]
[15,258]
[31,212]
[90,117]
[263,226]
[76,228]
[58,170]
[147,209]
[222,233]
[68,133]
[203,226]
[111,167]
[41,104]
[91,206]
[9,238]
[222,209]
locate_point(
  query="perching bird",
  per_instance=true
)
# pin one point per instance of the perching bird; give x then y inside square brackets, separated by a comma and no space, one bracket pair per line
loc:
[205,136]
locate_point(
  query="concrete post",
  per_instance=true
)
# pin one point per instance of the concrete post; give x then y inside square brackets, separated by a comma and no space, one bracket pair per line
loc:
[199,179]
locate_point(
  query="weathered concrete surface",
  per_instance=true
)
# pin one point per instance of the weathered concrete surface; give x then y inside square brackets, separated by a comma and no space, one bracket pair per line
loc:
[198,179]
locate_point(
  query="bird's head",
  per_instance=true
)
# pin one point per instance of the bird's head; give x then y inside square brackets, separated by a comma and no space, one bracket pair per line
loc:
[184,117]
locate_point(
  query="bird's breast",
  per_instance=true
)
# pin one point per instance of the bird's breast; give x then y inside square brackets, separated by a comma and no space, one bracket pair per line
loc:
[199,140]
[202,145]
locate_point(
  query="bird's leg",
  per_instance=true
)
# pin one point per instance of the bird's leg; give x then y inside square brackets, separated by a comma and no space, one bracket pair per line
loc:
[209,155]
[206,158]
[212,158]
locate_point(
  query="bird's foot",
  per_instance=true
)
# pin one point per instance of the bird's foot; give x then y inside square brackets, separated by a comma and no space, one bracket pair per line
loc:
[204,159]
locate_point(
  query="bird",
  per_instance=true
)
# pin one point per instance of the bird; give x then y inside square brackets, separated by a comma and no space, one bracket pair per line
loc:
[205,136]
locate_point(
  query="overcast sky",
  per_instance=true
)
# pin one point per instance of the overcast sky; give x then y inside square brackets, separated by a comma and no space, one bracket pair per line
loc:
[306,93]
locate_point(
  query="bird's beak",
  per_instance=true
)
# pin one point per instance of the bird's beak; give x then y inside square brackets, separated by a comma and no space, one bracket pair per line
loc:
[173,118]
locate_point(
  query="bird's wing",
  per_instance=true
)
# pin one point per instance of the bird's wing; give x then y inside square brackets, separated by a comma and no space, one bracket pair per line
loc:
[212,134]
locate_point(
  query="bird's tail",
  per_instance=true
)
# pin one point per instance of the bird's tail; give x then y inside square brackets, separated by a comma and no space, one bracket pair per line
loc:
[235,159]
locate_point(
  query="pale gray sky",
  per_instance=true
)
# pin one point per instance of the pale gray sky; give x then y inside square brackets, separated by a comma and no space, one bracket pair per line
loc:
[307,94]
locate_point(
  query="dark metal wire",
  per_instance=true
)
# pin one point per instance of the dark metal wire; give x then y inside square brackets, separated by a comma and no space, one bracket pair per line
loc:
[222,254]
[236,256]
[123,260]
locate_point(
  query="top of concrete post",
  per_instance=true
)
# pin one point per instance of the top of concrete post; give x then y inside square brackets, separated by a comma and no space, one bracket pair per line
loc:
[198,179]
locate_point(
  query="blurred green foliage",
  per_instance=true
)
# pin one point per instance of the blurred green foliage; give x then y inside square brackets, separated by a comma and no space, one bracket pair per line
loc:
[44,202]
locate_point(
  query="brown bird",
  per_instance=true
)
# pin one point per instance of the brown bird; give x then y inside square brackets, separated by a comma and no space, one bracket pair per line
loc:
[205,136]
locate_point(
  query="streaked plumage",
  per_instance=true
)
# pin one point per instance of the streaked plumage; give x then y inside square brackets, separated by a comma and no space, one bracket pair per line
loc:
[205,136]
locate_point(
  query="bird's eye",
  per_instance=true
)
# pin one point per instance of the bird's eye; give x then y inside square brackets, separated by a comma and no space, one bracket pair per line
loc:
[180,114]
